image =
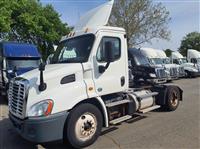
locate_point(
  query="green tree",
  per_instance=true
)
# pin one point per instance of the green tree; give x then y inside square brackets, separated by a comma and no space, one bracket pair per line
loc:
[190,41]
[168,52]
[29,21]
[142,19]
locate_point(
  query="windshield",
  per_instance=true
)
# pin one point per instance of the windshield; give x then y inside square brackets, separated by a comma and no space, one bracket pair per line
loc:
[75,50]
[138,57]
[156,61]
[140,60]
[182,60]
[22,63]
[166,61]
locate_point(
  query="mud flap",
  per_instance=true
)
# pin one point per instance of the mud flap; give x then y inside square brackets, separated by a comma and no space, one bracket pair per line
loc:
[162,93]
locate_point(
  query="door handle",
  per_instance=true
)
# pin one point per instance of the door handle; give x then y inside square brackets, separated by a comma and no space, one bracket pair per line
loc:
[122,81]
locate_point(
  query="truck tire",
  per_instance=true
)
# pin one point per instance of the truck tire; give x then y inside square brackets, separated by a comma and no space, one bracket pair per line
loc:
[83,126]
[172,98]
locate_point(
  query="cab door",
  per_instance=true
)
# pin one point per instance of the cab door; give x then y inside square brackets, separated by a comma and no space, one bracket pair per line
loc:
[115,77]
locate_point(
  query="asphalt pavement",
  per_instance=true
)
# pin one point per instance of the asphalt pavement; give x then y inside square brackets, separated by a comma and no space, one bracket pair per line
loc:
[154,130]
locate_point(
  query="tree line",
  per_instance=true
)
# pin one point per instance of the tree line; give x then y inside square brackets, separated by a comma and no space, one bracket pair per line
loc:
[29,21]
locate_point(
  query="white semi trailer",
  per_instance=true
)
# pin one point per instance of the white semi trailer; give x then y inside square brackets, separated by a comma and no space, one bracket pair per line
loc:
[73,98]
[191,70]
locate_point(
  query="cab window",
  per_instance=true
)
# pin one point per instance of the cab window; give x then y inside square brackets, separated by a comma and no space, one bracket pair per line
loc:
[116,47]
[175,61]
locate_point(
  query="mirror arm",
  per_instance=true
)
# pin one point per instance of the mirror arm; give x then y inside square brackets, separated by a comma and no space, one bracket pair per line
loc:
[107,65]
[102,69]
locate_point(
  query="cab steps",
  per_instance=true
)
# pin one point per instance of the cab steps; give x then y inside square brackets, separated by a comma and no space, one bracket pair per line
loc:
[149,109]
[121,119]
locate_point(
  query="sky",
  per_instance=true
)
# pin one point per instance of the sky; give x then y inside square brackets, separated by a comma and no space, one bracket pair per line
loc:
[185,17]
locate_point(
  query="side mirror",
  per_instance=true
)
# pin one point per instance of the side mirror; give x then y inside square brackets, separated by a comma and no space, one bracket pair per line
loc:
[108,57]
[42,85]
[42,66]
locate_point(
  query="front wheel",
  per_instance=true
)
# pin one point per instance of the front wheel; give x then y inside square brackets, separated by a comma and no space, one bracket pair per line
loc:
[83,126]
[173,98]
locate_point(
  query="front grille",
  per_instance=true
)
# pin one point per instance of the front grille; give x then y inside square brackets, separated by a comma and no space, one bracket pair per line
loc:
[198,67]
[160,72]
[17,97]
[181,71]
[173,72]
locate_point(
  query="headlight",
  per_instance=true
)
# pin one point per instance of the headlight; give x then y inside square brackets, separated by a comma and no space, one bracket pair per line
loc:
[153,75]
[10,71]
[42,108]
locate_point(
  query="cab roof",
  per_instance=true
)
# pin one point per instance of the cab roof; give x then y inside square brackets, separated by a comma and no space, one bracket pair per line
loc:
[149,52]
[19,50]
[93,31]
[176,55]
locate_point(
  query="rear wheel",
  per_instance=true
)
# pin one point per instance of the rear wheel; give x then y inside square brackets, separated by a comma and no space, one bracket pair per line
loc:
[83,126]
[173,98]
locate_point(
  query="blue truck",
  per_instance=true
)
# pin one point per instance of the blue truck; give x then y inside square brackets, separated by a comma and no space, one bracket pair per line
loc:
[16,59]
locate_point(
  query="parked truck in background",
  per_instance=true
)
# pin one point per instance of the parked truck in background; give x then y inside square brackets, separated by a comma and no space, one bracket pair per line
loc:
[156,60]
[176,71]
[16,59]
[193,56]
[191,69]
[142,69]
[75,96]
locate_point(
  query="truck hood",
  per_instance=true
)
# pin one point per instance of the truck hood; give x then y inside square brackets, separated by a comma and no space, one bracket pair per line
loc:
[191,67]
[171,65]
[187,65]
[53,73]
[21,71]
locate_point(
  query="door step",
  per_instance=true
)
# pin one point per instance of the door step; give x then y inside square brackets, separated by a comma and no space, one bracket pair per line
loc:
[112,104]
[121,119]
[149,109]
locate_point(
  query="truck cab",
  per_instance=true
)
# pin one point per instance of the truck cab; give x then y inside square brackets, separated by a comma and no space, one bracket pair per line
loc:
[142,69]
[156,60]
[191,69]
[16,59]
[85,88]
[193,56]
[176,70]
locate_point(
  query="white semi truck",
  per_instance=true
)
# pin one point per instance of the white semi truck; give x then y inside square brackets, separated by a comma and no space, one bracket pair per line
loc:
[191,69]
[193,56]
[176,71]
[73,98]
[156,60]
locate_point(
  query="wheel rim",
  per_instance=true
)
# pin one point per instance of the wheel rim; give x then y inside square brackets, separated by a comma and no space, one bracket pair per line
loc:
[86,127]
[174,99]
